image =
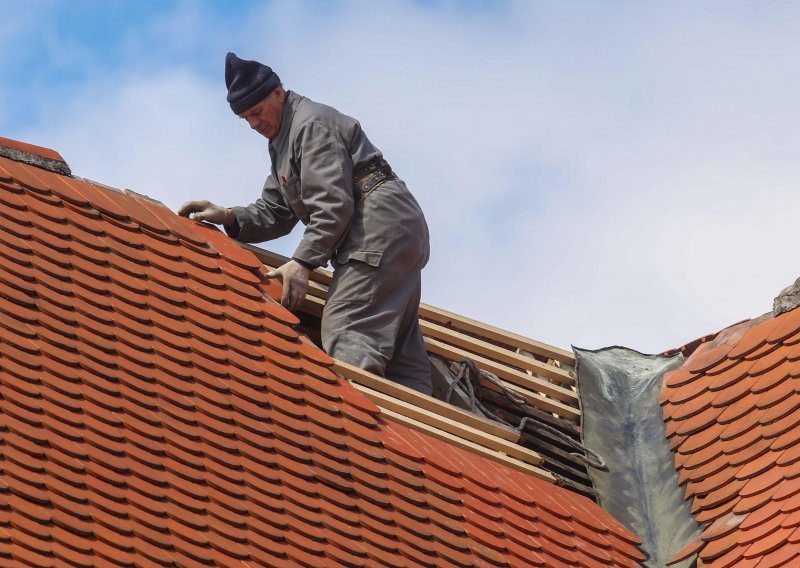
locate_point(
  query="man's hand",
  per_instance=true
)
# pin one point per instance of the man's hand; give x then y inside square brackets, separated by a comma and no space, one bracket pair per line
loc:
[204,210]
[295,283]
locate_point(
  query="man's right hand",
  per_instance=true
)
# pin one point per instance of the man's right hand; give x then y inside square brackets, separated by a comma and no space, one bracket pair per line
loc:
[204,210]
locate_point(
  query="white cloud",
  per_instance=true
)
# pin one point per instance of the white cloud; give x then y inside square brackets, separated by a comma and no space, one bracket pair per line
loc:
[593,175]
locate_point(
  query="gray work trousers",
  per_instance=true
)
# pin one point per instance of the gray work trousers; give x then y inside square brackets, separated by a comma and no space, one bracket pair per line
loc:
[371,318]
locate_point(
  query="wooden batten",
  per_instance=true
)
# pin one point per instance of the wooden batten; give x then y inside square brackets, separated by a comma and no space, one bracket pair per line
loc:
[489,453]
[470,344]
[321,279]
[538,383]
[450,426]
[512,340]
[444,421]
[416,400]
[518,362]
[313,305]
[520,382]
[274,260]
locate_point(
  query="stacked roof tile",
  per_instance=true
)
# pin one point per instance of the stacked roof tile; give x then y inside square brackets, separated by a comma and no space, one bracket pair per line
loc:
[733,420]
[158,408]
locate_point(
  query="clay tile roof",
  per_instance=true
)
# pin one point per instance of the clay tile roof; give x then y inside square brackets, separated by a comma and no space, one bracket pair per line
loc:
[732,415]
[158,408]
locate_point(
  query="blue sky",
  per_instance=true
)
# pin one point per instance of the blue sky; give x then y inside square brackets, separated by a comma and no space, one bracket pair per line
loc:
[594,173]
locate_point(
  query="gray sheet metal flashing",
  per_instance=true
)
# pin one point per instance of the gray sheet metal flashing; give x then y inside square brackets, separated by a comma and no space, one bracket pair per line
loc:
[619,392]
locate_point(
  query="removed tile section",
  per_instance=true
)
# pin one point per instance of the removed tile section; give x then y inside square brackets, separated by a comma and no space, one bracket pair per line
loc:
[732,416]
[158,408]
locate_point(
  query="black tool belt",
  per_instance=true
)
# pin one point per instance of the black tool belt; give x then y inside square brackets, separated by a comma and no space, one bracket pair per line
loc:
[369,176]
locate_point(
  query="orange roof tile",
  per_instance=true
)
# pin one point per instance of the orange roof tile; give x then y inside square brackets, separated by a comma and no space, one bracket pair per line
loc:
[158,408]
[31,149]
[735,401]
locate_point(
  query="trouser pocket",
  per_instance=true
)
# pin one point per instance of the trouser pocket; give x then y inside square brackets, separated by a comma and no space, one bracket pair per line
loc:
[355,276]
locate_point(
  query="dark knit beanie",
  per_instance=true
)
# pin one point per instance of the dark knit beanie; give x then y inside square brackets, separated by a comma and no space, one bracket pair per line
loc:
[248,82]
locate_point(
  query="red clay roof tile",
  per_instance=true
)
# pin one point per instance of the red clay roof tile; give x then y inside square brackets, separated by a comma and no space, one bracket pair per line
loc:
[31,149]
[158,408]
[742,503]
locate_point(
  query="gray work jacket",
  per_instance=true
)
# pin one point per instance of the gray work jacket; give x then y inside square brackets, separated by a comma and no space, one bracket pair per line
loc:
[313,158]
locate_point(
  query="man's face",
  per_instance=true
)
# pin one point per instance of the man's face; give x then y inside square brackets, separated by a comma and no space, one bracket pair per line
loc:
[265,117]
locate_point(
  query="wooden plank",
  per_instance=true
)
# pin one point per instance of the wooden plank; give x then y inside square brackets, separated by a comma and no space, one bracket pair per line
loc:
[508,374]
[451,426]
[436,416]
[535,400]
[273,260]
[411,396]
[313,305]
[482,451]
[443,317]
[504,356]
[439,316]
[520,351]
[315,289]
[315,301]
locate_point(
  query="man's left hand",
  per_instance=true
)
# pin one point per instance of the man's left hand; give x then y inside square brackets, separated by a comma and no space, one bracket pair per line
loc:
[295,283]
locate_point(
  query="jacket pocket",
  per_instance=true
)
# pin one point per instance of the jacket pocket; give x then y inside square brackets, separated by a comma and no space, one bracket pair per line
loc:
[291,189]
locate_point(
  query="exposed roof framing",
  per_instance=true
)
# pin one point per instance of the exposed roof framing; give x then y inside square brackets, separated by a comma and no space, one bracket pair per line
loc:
[541,374]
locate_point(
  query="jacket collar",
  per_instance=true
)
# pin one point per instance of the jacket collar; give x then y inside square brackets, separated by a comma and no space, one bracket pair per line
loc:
[289,106]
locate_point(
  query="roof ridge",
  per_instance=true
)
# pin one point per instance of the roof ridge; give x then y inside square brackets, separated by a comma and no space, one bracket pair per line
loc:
[687,349]
[33,155]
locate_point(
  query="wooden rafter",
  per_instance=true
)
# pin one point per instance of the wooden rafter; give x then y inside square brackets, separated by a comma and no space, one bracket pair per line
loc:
[423,401]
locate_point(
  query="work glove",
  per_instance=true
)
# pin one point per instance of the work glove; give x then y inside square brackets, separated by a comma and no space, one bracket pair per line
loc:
[204,210]
[295,283]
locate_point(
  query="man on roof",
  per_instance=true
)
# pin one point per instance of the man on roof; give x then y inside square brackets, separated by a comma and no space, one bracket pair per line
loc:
[359,216]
